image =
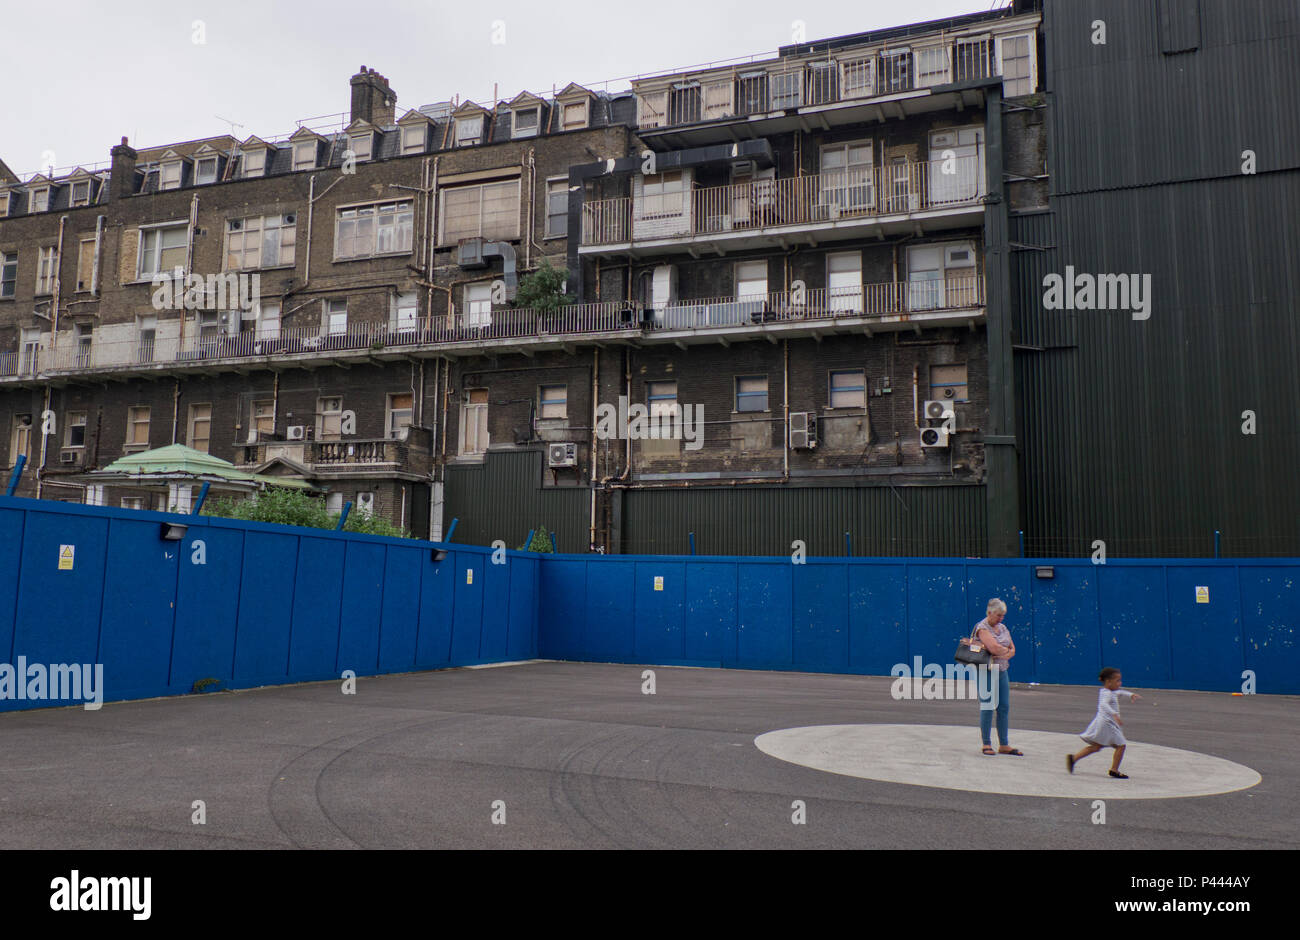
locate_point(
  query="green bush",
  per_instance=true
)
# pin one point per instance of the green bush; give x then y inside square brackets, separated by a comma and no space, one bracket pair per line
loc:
[543,290]
[295,507]
[542,543]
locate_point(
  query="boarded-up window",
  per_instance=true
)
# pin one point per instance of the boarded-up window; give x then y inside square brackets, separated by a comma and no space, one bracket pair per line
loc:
[200,428]
[86,264]
[948,383]
[474,422]
[490,210]
[128,254]
[400,409]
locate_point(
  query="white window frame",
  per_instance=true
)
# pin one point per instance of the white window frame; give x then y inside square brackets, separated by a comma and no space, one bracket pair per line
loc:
[261,416]
[302,159]
[406,312]
[268,321]
[393,220]
[362,154]
[883,74]
[134,422]
[742,392]
[662,197]
[329,416]
[4,205]
[1031,54]
[478,305]
[170,175]
[862,69]
[551,192]
[464,126]
[74,201]
[238,231]
[474,414]
[145,274]
[554,404]
[929,76]
[199,175]
[516,132]
[334,317]
[39,199]
[854,186]
[748,274]
[251,172]
[831,388]
[70,422]
[841,295]
[393,431]
[419,143]
[575,125]
[9,265]
[46,267]
[506,233]
[193,418]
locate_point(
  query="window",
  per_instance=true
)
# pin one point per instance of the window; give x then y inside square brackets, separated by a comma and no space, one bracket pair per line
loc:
[83,337]
[553,402]
[205,170]
[662,398]
[40,200]
[474,422]
[557,208]
[925,277]
[685,102]
[147,333]
[490,210]
[261,242]
[137,427]
[787,90]
[133,502]
[1016,65]
[844,282]
[170,175]
[334,504]
[931,66]
[971,58]
[268,321]
[75,433]
[366,231]
[400,409]
[847,179]
[20,440]
[336,317]
[261,420]
[413,137]
[406,312]
[80,193]
[527,122]
[209,331]
[29,352]
[663,194]
[469,130]
[45,270]
[895,71]
[751,279]
[254,163]
[848,389]
[478,305]
[948,383]
[95,495]
[200,428]
[8,273]
[304,155]
[329,419]
[86,264]
[575,115]
[4,204]
[361,146]
[162,250]
[751,393]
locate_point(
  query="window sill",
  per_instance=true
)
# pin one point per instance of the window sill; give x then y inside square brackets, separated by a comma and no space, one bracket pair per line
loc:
[273,267]
[389,254]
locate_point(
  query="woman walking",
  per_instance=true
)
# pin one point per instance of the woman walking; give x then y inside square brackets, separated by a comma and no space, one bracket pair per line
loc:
[996,638]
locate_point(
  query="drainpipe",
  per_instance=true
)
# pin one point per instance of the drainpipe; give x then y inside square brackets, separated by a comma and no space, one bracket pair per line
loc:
[595,408]
[58,284]
[99,245]
[785,424]
[627,378]
[176,405]
[275,401]
[311,204]
[45,443]
[189,266]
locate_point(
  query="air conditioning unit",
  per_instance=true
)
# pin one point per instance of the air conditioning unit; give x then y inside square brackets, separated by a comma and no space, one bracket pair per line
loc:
[562,455]
[803,430]
[296,432]
[68,456]
[934,437]
[939,410]
[469,253]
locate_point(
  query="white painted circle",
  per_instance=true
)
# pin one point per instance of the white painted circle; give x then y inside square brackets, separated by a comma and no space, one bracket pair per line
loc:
[950,758]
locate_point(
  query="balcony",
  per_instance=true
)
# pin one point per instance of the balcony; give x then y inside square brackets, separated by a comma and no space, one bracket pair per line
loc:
[845,204]
[344,457]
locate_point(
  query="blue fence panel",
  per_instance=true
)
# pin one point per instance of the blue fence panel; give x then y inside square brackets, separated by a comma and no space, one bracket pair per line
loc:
[1134,624]
[265,609]
[764,638]
[821,617]
[467,624]
[608,626]
[521,643]
[1270,603]
[135,643]
[1067,637]
[711,613]
[400,624]
[207,609]
[437,593]
[318,594]
[937,611]
[659,611]
[877,618]
[11,563]
[563,588]
[1206,639]
[362,608]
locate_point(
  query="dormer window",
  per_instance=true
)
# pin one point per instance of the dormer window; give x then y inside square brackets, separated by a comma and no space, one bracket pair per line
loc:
[469,130]
[527,122]
[304,155]
[80,193]
[205,170]
[413,138]
[170,176]
[575,115]
[254,163]
[4,204]
[40,201]
[361,145]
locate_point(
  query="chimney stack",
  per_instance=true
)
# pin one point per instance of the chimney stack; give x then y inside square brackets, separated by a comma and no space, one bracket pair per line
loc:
[121,179]
[372,98]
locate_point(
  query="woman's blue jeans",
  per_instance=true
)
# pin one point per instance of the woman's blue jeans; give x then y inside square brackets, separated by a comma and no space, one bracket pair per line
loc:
[1003,710]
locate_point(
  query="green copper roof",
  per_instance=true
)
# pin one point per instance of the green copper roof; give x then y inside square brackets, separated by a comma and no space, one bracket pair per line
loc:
[178,459]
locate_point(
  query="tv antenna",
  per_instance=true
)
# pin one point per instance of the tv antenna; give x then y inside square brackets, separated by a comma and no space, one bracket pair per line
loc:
[233,124]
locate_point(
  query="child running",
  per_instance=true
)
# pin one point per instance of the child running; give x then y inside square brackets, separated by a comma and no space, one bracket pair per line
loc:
[1105,728]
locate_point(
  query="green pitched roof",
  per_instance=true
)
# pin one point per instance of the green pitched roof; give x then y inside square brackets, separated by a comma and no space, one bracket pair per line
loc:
[179,459]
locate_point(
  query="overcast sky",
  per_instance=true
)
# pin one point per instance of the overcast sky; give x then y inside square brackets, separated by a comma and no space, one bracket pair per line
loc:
[78,81]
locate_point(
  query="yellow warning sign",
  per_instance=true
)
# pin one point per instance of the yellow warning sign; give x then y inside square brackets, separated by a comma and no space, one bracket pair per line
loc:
[67,555]
[1202,595]
[659,583]
[469,575]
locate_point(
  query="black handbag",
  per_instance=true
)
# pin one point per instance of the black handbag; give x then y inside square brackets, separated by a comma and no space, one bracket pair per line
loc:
[971,652]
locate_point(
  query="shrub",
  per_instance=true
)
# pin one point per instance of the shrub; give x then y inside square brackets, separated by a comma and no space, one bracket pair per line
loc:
[543,290]
[283,506]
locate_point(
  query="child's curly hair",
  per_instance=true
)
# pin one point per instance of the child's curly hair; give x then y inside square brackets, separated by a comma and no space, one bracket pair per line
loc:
[1108,673]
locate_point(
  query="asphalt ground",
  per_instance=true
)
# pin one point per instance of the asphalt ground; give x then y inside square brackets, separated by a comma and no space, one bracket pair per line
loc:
[569,755]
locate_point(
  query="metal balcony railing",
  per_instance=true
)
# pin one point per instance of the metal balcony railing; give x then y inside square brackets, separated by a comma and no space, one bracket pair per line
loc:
[893,189]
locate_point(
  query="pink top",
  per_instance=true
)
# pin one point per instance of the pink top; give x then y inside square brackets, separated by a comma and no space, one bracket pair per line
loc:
[1001,642]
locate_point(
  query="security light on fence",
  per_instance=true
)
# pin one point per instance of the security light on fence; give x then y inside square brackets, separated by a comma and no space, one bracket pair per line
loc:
[173,532]
[1046,573]
[439,554]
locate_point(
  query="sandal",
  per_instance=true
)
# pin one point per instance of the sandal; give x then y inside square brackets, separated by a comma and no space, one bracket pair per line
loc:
[1118,776]
[1013,752]
[1069,762]
[988,750]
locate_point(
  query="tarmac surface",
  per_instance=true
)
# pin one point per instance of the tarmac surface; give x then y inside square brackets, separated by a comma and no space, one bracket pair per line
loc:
[569,755]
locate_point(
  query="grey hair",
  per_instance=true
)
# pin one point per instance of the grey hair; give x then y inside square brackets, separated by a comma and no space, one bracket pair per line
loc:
[996,605]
